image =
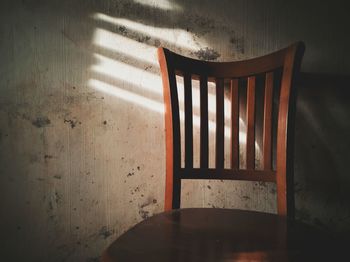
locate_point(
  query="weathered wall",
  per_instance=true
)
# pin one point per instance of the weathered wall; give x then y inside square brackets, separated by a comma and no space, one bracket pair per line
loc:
[82,128]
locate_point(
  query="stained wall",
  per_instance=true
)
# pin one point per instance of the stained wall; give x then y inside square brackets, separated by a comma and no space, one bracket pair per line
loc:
[82,153]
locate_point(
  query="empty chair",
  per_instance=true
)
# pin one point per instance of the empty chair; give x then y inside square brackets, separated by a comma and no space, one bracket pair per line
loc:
[272,75]
[262,95]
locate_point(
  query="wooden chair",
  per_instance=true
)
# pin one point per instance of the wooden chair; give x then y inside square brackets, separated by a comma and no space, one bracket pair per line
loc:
[278,71]
[195,234]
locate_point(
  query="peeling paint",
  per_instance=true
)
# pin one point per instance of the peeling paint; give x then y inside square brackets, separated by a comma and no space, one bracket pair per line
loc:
[72,122]
[207,53]
[105,233]
[245,197]
[145,209]
[238,44]
[41,121]
[144,214]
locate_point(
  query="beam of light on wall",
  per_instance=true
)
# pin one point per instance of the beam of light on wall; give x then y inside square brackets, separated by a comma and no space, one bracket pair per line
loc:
[123,71]
[151,104]
[139,78]
[126,95]
[146,80]
[177,37]
[160,4]
[114,42]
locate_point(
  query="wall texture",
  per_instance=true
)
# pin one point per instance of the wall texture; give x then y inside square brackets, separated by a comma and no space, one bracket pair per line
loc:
[82,124]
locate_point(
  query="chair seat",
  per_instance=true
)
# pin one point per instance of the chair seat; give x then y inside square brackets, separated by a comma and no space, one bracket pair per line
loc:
[203,234]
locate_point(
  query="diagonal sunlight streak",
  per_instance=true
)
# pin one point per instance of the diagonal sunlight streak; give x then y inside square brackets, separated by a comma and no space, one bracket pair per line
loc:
[177,37]
[161,4]
[126,95]
[125,77]
[142,52]
[120,71]
[153,105]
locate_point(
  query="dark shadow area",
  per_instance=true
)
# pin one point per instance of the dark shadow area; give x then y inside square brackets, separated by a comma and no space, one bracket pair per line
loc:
[322,150]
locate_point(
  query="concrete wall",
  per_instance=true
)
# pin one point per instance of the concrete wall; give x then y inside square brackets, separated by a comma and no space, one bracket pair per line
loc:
[82,125]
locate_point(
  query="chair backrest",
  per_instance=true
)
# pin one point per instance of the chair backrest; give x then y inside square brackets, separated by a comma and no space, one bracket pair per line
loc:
[275,73]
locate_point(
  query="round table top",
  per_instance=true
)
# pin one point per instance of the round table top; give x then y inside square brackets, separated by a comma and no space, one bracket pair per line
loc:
[211,234]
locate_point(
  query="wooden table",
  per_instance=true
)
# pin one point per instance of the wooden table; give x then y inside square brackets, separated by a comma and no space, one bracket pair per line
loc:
[205,234]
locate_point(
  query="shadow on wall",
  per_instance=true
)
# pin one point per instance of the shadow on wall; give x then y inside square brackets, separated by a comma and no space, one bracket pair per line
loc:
[322,150]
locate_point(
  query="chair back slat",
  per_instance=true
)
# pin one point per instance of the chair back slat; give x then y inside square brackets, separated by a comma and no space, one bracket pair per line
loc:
[173,188]
[175,123]
[220,121]
[188,121]
[234,124]
[204,141]
[267,125]
[249,116]
[250,143]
